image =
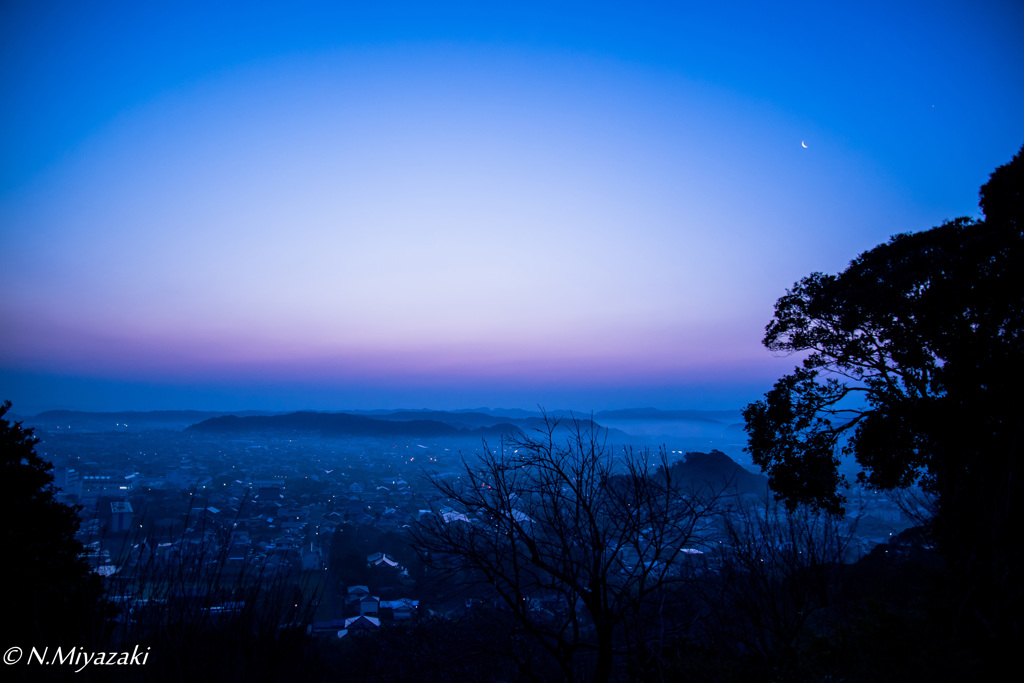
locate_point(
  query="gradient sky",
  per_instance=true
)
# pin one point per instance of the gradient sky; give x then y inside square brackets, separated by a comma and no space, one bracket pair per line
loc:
[353,205]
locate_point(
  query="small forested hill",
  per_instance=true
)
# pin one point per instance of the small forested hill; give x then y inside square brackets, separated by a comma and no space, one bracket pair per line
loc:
[462,420]
[473,420]
[717,471]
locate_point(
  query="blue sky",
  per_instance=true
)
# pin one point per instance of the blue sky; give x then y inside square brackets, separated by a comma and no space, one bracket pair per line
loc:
[327,205]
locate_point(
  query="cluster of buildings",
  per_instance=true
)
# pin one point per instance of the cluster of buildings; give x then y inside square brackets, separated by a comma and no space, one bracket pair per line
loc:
[150,500]
[330,512]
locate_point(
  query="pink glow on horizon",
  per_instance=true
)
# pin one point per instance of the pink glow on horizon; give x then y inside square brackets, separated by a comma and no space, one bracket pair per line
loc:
[187,356]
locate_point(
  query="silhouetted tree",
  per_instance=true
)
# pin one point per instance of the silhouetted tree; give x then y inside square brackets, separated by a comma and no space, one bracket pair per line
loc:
[50,594]
[914,366]
[780,568]
[583,546]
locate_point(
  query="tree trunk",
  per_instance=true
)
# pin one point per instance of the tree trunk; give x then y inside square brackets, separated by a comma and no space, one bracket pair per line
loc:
[603,667]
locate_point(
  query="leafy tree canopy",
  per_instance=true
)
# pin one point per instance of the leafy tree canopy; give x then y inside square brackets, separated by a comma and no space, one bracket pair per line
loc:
[912,352]
[912,365]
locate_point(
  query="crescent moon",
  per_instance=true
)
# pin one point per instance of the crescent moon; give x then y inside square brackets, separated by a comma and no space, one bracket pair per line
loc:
[803,144]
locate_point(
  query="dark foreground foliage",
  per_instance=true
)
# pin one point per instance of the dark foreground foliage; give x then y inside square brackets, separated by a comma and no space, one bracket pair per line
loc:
[913,363]
[50,594]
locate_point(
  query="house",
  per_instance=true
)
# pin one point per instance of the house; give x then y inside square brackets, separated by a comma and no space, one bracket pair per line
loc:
[355,594]
[361,623]
[121,514]
[381,560]
[399,610]
[370,606]
[311,559]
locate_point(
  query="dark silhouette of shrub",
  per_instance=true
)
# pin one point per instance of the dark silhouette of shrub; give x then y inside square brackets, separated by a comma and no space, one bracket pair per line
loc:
[51,595]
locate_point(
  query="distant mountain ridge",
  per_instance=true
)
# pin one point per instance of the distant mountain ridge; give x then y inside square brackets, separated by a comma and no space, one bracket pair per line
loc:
[653,414]
[343,424]
[618,426]
[132,419]
[150,415]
